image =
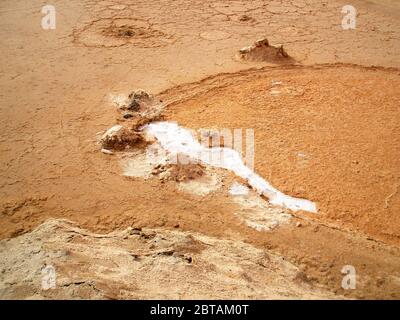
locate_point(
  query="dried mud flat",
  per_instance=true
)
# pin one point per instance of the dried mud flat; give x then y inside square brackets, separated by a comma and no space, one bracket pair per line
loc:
[342,155]
[146,264]
[324,108]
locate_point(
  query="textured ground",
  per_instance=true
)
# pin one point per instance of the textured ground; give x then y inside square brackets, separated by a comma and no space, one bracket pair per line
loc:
[146,264]
[335,129]
[55,98]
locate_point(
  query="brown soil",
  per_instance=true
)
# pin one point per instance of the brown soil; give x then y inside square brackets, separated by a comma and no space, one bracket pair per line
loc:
[55,105]
[336,143]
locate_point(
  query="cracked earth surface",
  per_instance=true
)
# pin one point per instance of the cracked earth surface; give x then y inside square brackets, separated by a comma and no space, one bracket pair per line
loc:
[55,98]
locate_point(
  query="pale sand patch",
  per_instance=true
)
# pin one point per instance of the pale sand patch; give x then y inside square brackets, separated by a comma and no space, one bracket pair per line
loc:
[202,186]
[258,214]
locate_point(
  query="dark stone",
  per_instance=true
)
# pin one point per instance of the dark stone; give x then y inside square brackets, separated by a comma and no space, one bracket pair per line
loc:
[127,115]
[134,105]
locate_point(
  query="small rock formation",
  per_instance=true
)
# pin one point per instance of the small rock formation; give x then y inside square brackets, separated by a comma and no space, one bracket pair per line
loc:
[179,172]
[141,96]
[119,138]
[139,107]
[139,101]
[262,50]
[127,115]
[245,18]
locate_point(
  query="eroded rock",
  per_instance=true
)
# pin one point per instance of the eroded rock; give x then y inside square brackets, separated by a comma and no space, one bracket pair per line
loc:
[139,107]
[120,138]
[262,50]
[179,172]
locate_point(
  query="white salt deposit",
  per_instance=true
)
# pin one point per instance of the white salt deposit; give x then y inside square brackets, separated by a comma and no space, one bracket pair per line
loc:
[238,189]
[178,140]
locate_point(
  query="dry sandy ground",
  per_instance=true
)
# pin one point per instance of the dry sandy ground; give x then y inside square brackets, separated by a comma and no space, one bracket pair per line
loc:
[147,264]
[55,98]
[312,129]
